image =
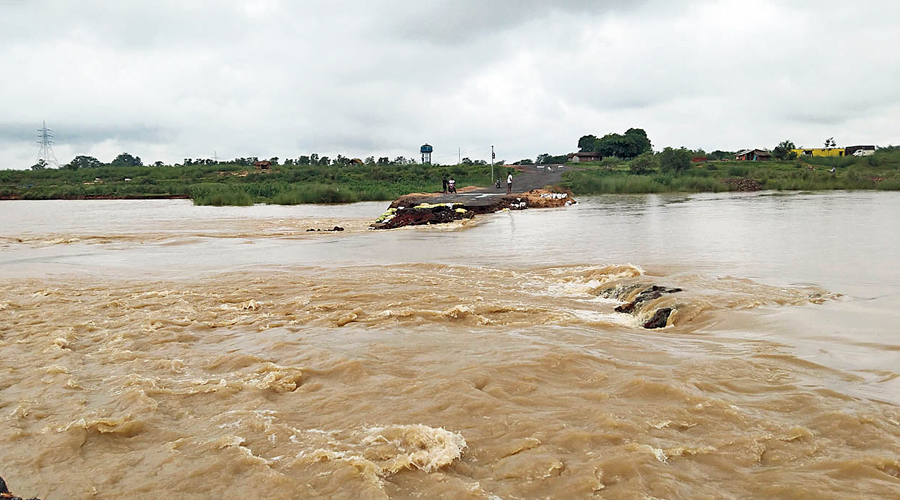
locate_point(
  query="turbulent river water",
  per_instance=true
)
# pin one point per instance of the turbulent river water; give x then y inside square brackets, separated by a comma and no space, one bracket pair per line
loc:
[153,349]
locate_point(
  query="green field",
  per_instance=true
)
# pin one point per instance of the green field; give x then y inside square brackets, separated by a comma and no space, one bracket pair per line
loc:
[228,184]
[225,184]
[878,172]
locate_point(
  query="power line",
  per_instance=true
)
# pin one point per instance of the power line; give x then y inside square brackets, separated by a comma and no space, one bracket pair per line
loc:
[464,153]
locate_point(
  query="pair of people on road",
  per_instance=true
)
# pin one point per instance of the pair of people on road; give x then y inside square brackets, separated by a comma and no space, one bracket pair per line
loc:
[449,185]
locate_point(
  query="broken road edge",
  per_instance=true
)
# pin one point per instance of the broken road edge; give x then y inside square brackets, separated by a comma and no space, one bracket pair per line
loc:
[415,209]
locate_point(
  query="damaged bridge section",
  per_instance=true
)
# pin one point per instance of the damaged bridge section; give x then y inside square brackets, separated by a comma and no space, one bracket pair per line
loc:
[421,209]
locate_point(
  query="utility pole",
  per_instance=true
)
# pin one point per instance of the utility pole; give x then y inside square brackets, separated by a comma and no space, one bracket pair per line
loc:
[459,156]
[492,163]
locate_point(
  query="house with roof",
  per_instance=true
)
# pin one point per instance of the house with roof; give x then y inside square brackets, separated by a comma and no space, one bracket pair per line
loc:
[583,157]
[753,155]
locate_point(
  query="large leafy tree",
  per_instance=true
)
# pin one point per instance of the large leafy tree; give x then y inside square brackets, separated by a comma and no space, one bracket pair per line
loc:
[83,161]
[127,160]
[639,141]
[631,144]
[586,143]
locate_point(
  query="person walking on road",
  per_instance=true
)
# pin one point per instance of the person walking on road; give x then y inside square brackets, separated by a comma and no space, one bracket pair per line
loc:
[509,183]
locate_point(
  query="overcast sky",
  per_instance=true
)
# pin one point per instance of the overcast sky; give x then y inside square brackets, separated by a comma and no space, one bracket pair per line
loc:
[170,79]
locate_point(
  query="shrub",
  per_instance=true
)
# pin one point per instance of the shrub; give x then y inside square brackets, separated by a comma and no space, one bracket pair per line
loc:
[643,164]
[674,160]
[610,162]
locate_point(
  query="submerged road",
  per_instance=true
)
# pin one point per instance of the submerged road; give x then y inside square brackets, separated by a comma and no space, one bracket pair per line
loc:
[529,177]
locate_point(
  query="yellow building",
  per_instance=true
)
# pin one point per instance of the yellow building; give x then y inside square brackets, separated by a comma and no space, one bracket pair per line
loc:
[822,152]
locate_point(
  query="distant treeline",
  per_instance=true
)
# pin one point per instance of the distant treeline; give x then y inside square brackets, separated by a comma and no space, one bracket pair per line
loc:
[128,160]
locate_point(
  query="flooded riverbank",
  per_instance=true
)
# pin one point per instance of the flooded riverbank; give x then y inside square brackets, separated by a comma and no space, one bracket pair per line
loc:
[153,346]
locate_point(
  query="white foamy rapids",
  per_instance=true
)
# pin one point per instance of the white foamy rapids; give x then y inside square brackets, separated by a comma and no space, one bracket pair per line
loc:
[599,318]
[385,451]
[582,281]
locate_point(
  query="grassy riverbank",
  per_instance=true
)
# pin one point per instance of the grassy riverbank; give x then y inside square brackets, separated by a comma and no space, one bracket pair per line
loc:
[878,172]
[227,184]
[236,185]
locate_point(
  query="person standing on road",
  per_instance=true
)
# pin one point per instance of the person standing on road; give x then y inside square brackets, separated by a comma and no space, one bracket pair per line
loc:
[509,183]
[444,181]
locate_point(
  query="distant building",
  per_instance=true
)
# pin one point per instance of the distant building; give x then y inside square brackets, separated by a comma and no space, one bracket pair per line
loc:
[859,151]
[262,165]
[699,159]
[583,157]
[821,152]
[356,161]
[753,155]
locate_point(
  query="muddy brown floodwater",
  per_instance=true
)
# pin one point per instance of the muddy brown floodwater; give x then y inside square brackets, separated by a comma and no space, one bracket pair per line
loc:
[152,349]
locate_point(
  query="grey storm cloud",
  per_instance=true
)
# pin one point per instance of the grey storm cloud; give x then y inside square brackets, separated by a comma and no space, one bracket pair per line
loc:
[189,78]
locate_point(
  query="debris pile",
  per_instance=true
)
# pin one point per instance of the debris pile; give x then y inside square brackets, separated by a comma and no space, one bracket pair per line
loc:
[742,184]
[425,213]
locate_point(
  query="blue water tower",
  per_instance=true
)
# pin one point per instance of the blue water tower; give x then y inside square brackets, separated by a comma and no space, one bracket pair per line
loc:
[426,151]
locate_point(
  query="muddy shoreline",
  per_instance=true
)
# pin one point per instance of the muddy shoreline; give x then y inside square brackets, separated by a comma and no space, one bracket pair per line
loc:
[103,197]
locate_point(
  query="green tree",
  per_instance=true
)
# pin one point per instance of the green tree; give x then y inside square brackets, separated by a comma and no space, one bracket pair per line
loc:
[643,164]
[314,159]
[610,145]
[587,143]
[126,160]
[40,165]
[629,145]
[384,161]
[639,141]
[675,160]
[83,161]
[785,151]
[370,160]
